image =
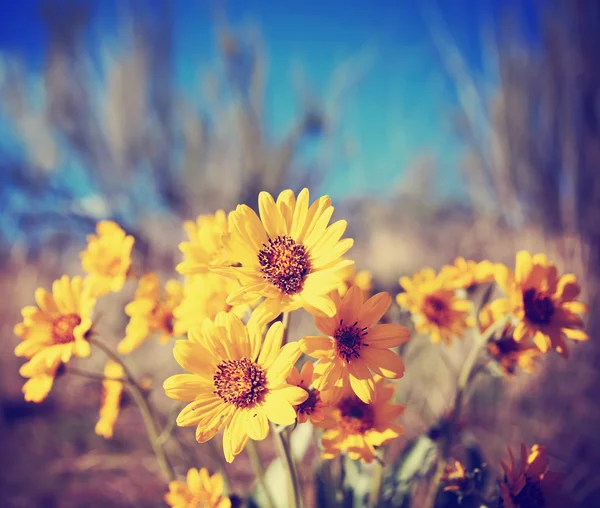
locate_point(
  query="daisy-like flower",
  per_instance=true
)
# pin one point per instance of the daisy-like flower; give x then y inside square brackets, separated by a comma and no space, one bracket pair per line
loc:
[112,389]
[107,259]
[312,407]
[53,332]
[350,277]
[505,350]
[152,313]
[205,244]
[289,256]
[235,384]
[465,273]
[543,304]
[357,428]
[204,296]
[200,490]
[531,484]
[353,345]
[435,307]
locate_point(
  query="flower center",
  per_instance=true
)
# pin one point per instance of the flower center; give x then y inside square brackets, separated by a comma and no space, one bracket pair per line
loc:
[62,328]
[162,319]
[539,308]
[348,340]
[530,496]
[357,417]
[285,264]
[436,310]
[308,406]
[242,383]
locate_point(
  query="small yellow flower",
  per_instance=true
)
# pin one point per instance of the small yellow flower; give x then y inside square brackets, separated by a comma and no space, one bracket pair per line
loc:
[312,407]
[350,277]
[353,426]
[205,245]
[542,303]
[289,256]
[54,332]
[454,478]
[107,259]
[467,273]
[531,484]
[111,399]
[353,345]
[237,382]
[204,296]
[435,307]
[150,313]
[200,490]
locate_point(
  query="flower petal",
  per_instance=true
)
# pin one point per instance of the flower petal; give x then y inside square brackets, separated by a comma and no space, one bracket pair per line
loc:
[374,309]
[384,362]
[386,336]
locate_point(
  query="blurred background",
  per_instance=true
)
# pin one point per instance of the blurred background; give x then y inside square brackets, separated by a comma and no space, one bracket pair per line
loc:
[439,128]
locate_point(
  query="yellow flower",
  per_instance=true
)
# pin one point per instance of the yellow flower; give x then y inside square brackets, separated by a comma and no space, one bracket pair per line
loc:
[435,307]
[312,407]
[200,490]
[354,345]
[235,384]
[289,256]
[111,399]
[350,277]
[531,484]
[204,296]
[54,332]
[205,245]
[149,313]
[467,273]
[454,478]
[505,350]
[542,303]
[353,426]
[107,258]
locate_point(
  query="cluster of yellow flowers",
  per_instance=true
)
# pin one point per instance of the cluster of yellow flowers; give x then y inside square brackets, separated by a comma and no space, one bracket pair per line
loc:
[243,274]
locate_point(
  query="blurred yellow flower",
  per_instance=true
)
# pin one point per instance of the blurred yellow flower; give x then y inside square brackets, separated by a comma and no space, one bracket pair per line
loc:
[107,259]
[505,350]
[204,296]
[312,407]
[200,490]
[531,484]
[237,382]
[454,478]
[111,399]
[467,273]
[357,428]
[353,345]
[54,332]
[205,245]
[543,304]
[350,277]
[435,307]
[150,313]
[289,256]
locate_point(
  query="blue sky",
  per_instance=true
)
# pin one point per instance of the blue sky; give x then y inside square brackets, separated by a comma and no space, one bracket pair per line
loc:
[398,111]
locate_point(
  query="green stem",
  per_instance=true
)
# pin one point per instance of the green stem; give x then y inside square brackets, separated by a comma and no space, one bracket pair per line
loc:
[259,471]
[93,375]
[285,454]
[145,410]
[285,321]
[217,454]
[376,482]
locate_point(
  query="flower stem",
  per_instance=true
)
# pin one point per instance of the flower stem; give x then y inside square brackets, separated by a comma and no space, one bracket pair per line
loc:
[285,454]
[259,471]
[93,375]
[376,482]
[285,321]
[145,410]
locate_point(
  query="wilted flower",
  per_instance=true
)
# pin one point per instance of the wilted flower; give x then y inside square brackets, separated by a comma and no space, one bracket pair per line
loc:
[312,407]
[289,256]
[112,389]
[54,332]
[235,383]
[357,428]
[200,490]
[152,313]
[107,259]
[353,345]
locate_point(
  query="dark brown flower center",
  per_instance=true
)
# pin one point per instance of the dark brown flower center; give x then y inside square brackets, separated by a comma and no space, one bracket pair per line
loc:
[242,383]
[539,308]
[62,328]
[436,310]
[308,406]
[356,416]
[285,264]
[348,340]
[163,319]
[530,496]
